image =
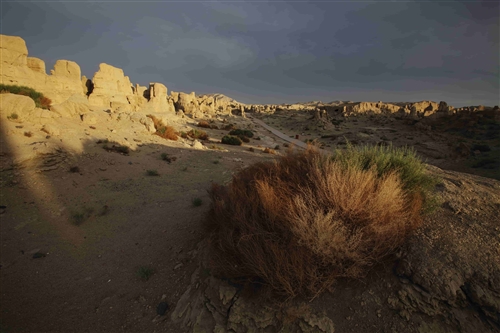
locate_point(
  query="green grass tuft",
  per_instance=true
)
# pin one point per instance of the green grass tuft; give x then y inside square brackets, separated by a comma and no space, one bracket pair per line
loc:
[152,173]
[144,272]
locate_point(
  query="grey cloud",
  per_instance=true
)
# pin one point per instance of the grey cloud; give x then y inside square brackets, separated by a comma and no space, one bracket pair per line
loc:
[278,51]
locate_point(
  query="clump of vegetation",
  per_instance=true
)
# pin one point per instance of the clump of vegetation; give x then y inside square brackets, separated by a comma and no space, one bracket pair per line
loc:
[196,134]
[204,124]
[13,116]
[40,100]
[229,127]
[169,159]
[74,169]
[231,140]
[164,131]
[269,151]
[144,272]
[251,149]
[124,150]
[81,216]
[78,218]
[197,202]
[240,132]
[152,173]
[104,210]
[306,219]
[215,147]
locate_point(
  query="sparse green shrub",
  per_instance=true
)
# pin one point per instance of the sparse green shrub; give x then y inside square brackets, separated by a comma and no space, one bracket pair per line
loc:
[78,218]
[215,147]
[152,173]
[124,150]
[13,116]
[74,169]
[145,272]
[300,222]
[231,140]
[216,162]
[40,100]
[240,132]
[197,134]
[82,215]
[197,202]
[167,158]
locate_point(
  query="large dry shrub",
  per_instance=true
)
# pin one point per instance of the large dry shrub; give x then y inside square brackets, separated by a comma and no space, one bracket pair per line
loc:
[302,221]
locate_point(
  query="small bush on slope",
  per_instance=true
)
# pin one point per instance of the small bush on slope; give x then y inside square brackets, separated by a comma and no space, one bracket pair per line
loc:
[197,134]
[231,140]
[204,124]
[302,221]
[240,132]
[165,131]
[40,100]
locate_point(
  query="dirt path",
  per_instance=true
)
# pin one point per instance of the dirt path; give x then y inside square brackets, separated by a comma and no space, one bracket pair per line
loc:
[278,133]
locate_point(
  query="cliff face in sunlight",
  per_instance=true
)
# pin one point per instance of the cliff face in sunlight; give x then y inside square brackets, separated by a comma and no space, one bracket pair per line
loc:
[109,89]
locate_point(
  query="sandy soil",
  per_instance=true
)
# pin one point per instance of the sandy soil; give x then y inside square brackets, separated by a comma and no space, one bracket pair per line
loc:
[94,229]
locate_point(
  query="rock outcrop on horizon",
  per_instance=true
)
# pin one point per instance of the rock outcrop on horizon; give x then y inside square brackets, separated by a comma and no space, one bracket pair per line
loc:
[412,110]
[110,89]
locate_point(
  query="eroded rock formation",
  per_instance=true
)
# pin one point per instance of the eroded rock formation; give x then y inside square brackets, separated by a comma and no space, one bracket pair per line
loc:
[111,88]
[17,69]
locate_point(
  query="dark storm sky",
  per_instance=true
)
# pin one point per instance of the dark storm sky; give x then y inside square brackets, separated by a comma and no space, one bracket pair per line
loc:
[277,51]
